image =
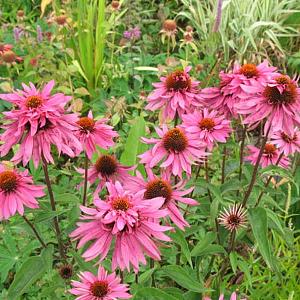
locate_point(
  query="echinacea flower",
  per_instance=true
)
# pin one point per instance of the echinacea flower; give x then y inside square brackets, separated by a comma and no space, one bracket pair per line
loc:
[233,218]
[231,90]
[174,94]
[61,20]
[207,126]
[38,121]
[20,13]
[132,222]
[270,156]
[104,286]
[169,30]
[65,271]
[115,5]
[176,148]
[162,186]
[92,133]
[277,101]
[107,169]
[289,144]
[16,191]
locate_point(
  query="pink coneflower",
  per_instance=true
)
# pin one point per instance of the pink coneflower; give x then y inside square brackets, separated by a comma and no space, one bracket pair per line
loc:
[269,157]
[101,287]
[124,217]
[277,101]
[38,121]
[38,147]
[207,126]
[92,133]
[161,186]
[289,144]
[35,107]
[107,169]
[230,91]
[16,191]
[177,148]
[174,94]
[233,218]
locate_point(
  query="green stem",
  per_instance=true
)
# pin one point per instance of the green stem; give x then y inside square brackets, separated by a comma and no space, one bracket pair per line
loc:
[35,231]
[242,154]
[168,47]
[231,241]
[223,165]
[86,163]
[53,206]
[254,174]
[268,181]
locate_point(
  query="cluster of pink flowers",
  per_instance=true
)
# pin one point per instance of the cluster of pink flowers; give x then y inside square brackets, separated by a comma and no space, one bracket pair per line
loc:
[256,94]
[127,219]
[134,212]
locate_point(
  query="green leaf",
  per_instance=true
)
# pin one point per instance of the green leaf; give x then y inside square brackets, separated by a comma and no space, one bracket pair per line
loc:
[233,261]
[215,190]
[179,238]
[152,294]
[259,223]
[175,292]
[47,255]
[212,249]
[83,265]
[6,265]
[201,245]
[183,278]
[133,144]
[146,275]
[31,270]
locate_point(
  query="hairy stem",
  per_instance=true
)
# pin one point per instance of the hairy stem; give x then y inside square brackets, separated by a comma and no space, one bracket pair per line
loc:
[53,206]
[35,231]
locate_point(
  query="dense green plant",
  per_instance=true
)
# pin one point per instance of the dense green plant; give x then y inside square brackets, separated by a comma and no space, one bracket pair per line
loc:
[88,61]
[246,27]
